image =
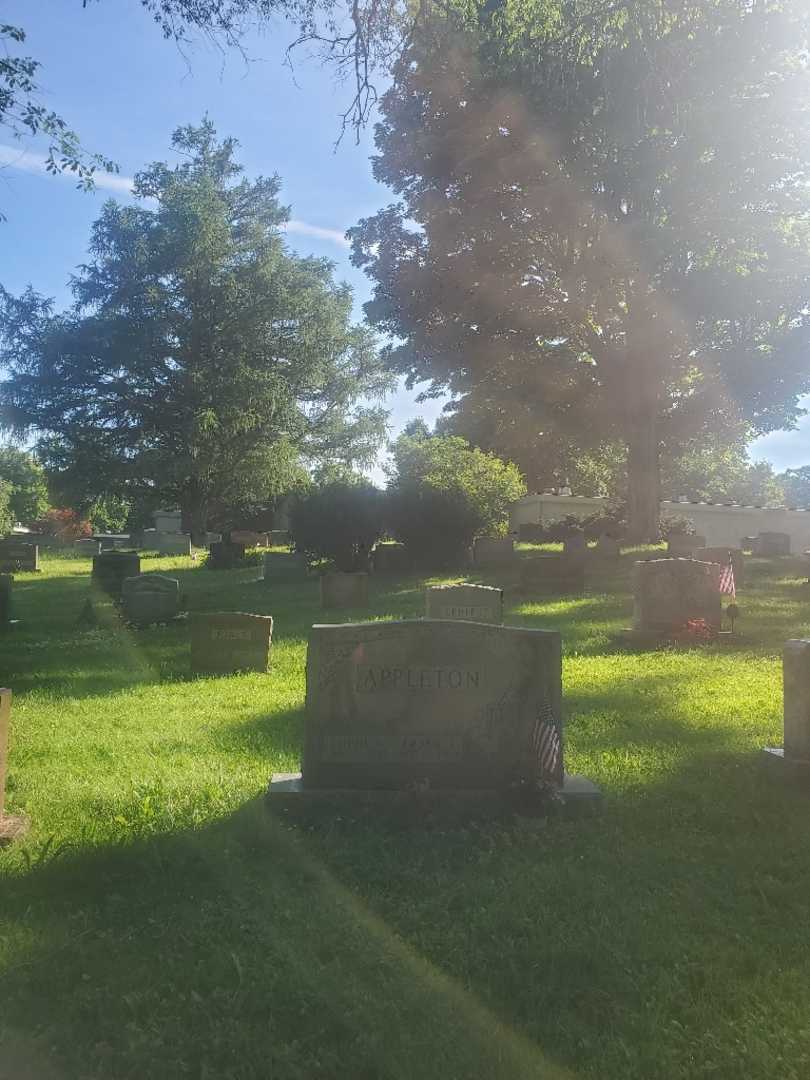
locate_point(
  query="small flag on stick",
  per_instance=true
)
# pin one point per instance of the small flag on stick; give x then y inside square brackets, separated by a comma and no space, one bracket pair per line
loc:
[546,742]
[727,580]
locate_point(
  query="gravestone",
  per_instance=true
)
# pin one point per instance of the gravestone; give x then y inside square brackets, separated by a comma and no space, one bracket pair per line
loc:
[668,593]
[110,568]
[793,759]
[575,546]
[454,704]
[87,547]
[531,532]
[392,559]
[607,547]
[225,642]
[284,568]
[748,543]
[280,538]
[682,544]
[225,555]
[12,826]
[6,584]
[18,555]
[721,556]
[494,551]
[772,543]
[172,543]
[150,598]
[168,521]
[470,603]
[339,590]
[555,575]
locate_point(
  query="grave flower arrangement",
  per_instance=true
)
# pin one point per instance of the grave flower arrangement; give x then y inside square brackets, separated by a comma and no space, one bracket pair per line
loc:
[694,631]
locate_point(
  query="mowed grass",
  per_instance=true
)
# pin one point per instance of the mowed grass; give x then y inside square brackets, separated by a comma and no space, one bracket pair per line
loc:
[159,922]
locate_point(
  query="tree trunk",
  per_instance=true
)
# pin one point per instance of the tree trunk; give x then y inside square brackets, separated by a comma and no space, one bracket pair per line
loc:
[195,518]
[643,475]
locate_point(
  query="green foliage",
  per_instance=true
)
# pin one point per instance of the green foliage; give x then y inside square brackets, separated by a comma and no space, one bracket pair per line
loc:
[110,513]
[202,364]
[796,486]
[339,522]
[6,516]
[713,470]
[443,493]
[629,246]
[26,479]
[676,525]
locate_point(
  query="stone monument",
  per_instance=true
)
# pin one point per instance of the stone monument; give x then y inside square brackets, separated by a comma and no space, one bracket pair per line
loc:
[793,759]
[6,586]
[430,706]
[110,568]
[471,603]
[150,598]
[18,555]
[670,593]
[721,556]
[225,642]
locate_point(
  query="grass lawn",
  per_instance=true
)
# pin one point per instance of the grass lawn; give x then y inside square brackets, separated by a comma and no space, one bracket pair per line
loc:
[157,922]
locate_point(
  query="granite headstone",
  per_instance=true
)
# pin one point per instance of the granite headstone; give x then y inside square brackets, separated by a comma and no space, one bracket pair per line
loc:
[470,603]
[225,642]
[18,555]
[669,593]
[150,598]
[110,568]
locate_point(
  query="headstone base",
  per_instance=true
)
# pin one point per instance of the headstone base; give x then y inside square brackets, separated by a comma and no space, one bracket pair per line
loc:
[13,827]
[788,770]
[287,792]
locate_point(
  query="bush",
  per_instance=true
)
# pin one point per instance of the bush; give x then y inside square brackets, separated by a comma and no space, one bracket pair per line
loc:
[339,522]
[64,524]
[676,525]
[442,493]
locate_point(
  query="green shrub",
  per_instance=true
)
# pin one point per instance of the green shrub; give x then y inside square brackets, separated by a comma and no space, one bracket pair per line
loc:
[442,493]
[676,525]
[339,522]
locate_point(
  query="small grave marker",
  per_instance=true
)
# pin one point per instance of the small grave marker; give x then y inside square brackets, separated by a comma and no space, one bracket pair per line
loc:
[226,642]
[110,568]
[470,603]
[150,598]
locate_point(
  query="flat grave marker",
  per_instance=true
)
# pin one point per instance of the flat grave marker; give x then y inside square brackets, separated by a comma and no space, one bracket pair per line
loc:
[224,642]
[470,603]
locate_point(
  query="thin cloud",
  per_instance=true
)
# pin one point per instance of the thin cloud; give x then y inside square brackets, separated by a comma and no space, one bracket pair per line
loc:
[15,157]
[28,161]
[334,236]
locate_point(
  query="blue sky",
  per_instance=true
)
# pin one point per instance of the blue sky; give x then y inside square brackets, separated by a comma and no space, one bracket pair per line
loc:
[109,72]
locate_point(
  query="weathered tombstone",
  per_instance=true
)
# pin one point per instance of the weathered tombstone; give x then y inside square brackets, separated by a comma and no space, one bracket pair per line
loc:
[470,603]
[684,544]
[607,547]
[12,826]
[494,551]
[111,567]
[721,556]
[555,575]
[284,568]
[150,598]
[280,538]
[772,543]
[669,593]
[392,559]
[531,532]
[225,642]
[172,543]
[168,521]
[339,590]
[6,584]
[18,555]
[225,555]
[793,759]
[432,707]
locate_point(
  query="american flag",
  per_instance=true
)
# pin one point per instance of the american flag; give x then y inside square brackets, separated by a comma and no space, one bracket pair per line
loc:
[546,741]
[726,584]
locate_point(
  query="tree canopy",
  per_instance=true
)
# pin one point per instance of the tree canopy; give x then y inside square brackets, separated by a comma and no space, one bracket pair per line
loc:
[601,226]
[202,360]
[27,486]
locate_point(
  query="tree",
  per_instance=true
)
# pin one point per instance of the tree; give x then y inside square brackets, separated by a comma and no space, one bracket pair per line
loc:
[796,485]
[6,516]
[339,521]
[602,210]
[201,361]
[28,489]
[442,493]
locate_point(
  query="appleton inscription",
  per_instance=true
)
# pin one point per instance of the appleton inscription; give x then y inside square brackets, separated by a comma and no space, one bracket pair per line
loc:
[371,679]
